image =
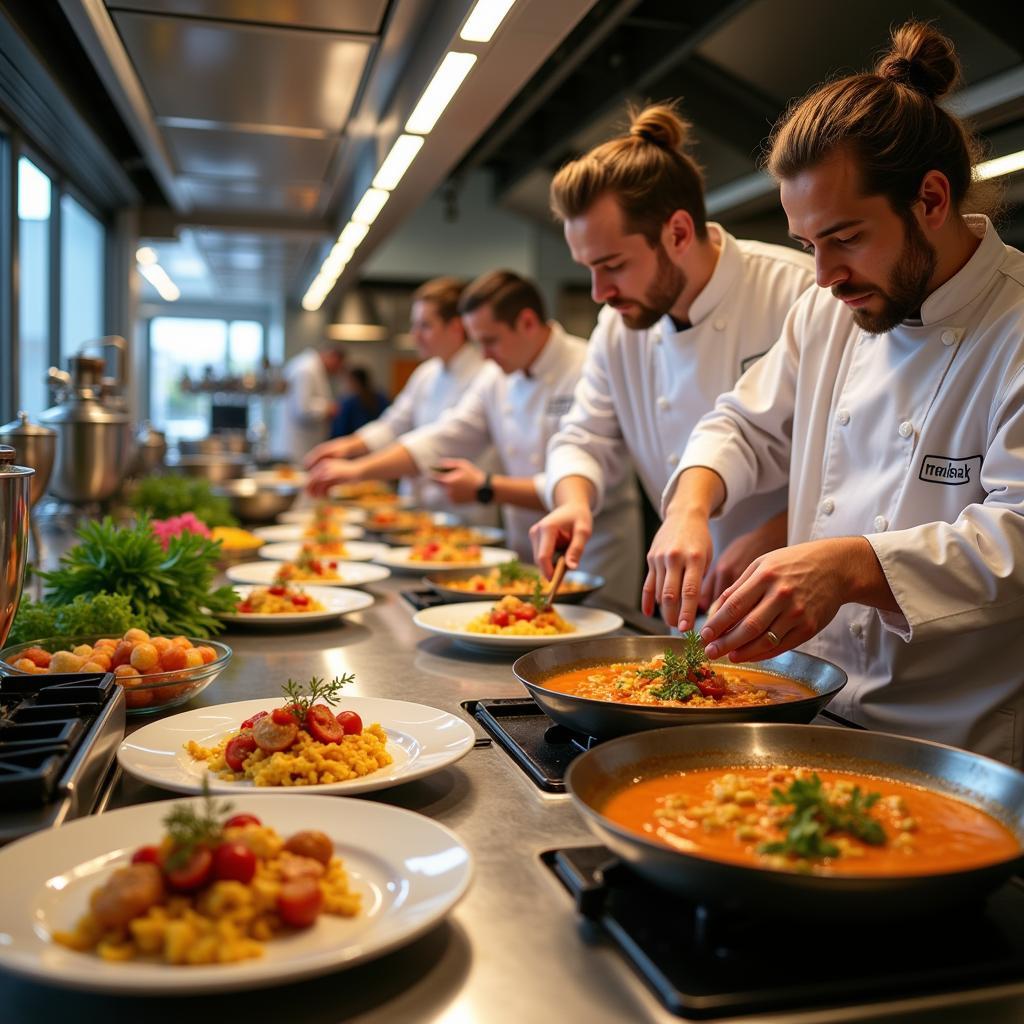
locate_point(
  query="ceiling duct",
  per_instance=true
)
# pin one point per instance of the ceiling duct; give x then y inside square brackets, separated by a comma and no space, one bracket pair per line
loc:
[357,319]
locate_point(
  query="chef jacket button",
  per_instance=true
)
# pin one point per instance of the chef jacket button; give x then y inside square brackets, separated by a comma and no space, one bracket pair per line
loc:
[662,402]
[828,506]
[948,338]
[856,629]
[881,524]
[843,417]
[719,325]
[906,428]
[672,459]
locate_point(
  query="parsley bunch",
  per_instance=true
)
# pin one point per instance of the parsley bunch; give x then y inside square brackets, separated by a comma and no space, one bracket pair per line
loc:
[301,697]
[513,570]
[815,817]
[164,496]
[102,614]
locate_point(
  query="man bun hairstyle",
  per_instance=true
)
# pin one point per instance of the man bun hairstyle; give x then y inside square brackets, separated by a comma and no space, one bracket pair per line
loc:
[444,293]
[889,118]
[506,293]
[648,171]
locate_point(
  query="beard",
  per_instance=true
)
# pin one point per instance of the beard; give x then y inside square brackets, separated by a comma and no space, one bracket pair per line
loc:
[668,285]
[907,288]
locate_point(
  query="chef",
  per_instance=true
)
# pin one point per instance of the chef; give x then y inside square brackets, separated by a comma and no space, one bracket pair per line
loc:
[515,404]
[309,399]
[688,309]
[893,405]
[450,364]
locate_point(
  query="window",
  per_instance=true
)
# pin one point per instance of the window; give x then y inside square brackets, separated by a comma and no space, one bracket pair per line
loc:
[34,210]
[82,266]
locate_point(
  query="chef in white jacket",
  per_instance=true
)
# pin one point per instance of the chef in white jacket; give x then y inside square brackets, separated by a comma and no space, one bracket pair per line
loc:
[688,309]
[893,405]
[309,400]
[515,404]
[450,365]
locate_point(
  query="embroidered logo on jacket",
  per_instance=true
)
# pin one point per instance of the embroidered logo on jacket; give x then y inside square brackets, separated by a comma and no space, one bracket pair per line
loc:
[558,405]
[941,469]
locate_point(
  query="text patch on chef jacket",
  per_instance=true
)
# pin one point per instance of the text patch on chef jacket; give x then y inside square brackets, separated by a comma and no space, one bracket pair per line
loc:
[950,472]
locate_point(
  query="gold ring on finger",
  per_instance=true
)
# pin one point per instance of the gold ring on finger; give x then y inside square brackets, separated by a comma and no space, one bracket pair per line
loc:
[774,639]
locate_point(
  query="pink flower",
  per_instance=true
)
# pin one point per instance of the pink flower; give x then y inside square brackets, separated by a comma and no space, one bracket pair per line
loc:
[165,529]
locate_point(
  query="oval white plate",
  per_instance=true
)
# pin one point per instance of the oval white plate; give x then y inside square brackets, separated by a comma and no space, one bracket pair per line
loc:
[304,516]
[398,559]
[297,532]
[355,551]
[353,574]
[450,620]
[409,869]
[338,601]
[420,739]
[298,477]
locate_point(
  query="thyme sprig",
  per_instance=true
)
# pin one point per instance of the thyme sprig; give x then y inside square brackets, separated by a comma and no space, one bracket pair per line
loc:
[300,697]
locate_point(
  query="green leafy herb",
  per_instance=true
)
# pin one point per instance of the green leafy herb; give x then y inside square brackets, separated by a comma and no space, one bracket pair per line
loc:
[169,592]
[815,817]
[300,697]
[164,496]
[514,570]
[189,828]
[539,597]
[104,614]
[676,669]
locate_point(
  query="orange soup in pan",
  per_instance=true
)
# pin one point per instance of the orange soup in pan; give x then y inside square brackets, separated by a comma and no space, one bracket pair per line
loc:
[644,682]
[821,822]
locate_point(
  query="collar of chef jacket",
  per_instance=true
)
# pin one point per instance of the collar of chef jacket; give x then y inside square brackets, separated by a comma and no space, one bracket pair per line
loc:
[466,356]
[976,274]
[548,365]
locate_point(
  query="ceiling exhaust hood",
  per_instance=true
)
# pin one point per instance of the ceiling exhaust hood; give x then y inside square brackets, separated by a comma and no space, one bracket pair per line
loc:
[356,319]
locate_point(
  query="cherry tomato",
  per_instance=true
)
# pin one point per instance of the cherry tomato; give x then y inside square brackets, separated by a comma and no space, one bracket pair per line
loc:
[194,873]
[271,737]
[276,591]
[250,722]
[714,686]
[350,722]
[499,619]
[299,902]
[237,750]
[245,607]
[146,855]
[234,862]
[284,716]
[322,724]
[481,586]
[300,600]
[526,613]
[241,820]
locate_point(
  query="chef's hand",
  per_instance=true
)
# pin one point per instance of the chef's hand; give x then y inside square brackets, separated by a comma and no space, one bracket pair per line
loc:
[338,448]
[328,472]
[732,562]
[460,478]
[680,555]
[795,593]
[568,527]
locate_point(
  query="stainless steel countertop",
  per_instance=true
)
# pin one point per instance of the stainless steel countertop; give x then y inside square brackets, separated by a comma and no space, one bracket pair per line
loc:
[514,950]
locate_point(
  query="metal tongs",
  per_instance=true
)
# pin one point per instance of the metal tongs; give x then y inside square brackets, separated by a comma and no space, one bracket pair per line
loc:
[556,581]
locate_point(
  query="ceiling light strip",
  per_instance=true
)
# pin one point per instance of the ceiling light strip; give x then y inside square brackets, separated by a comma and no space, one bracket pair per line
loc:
[438,94]
[397,162]
[996,168]
[484,19]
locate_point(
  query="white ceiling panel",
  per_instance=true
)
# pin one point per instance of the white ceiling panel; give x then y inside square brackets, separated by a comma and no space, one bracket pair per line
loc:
[233,74]
[219,194]
[335,15]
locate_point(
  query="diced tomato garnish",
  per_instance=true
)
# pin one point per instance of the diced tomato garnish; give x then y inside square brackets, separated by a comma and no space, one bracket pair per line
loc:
[284,716]
[276,591]
[350,722]
[146,855]
[237,750]
[714,686]
[250,722]
[300,600]
[322,724]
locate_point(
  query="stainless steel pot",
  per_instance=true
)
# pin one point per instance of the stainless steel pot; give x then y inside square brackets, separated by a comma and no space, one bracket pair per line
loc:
[990,785]
[257,503]
[35,446]
[605,719]
[15,501]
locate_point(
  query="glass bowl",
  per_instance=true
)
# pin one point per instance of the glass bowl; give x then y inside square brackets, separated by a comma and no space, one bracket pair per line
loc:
[144,694]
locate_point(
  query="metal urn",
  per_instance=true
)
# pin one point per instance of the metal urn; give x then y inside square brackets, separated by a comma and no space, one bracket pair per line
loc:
[34,446]
[15,497]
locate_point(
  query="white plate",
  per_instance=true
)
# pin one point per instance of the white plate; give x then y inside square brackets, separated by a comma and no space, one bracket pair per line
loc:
[409,869]
[398,559]
[450,620]
[355,551]
[297,532]
[304,516]
[337,601]
[353,574]
[420,739]
[298,477]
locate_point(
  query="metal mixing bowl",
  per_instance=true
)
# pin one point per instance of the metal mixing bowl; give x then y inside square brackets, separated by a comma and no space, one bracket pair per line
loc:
[253,502]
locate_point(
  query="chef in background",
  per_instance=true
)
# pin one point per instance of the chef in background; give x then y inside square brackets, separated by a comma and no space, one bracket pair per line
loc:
[688,308]
[514,404]
[893,407]
[309,403]
[450,364]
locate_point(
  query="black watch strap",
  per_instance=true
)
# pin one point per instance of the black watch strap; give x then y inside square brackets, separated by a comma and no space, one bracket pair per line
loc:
[485,492]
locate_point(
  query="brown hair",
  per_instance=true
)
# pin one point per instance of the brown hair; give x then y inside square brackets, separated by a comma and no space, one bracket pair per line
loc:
[890,119]
[648,171]
[506,293]
[444,293]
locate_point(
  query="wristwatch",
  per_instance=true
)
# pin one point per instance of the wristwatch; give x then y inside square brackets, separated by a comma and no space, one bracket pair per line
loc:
[485,492]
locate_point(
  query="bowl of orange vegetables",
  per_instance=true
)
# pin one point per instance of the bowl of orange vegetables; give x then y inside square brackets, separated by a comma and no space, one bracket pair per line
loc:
[157,672]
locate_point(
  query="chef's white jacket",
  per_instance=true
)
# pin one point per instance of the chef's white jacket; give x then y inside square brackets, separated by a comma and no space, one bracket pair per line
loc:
[518,413]
[308,404]
[642,392]
[915,440]
[430,392]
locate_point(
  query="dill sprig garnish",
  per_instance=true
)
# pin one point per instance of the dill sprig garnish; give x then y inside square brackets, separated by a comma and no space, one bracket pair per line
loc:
[189,829]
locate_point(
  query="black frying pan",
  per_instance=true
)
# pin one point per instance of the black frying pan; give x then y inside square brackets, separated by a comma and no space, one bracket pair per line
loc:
[990,785]
[605,719]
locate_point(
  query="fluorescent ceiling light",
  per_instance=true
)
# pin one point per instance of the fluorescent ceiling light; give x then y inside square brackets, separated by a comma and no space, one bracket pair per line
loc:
[312,301]
[369,206]
[351,235]
[403,152]
[438,94]
[145,255]
[1000,165]
[159,279]
[484,20]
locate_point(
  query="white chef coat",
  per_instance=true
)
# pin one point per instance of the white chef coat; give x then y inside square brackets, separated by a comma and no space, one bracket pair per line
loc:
[431,390]
[308,404]
[915,440]
[642,392]
[518,413]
